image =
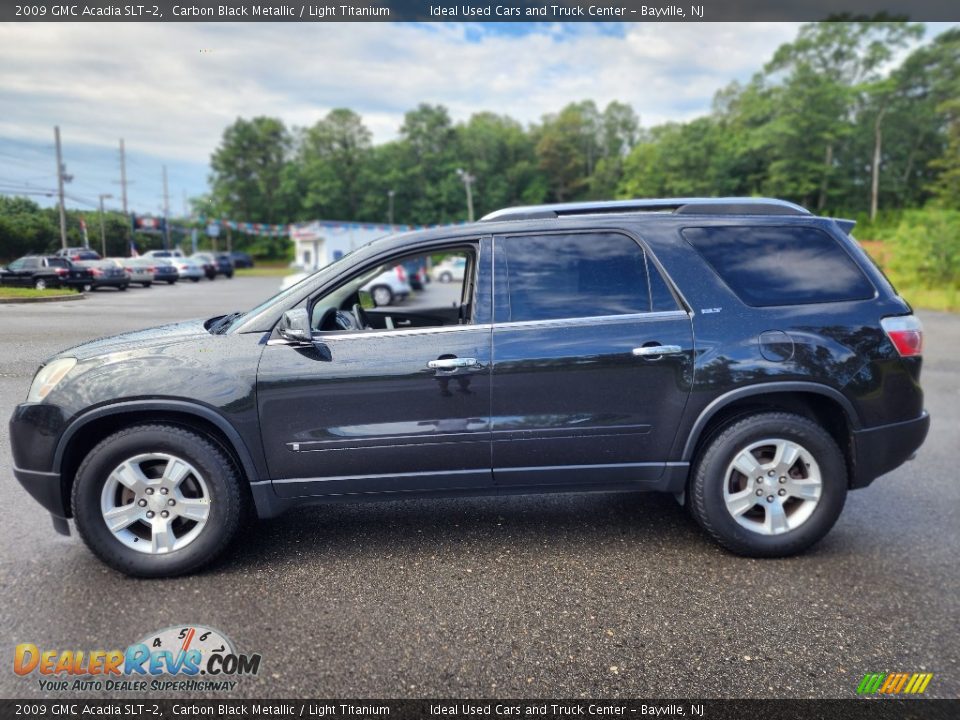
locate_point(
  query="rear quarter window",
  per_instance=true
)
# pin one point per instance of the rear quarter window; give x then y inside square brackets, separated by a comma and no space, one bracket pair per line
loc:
[767,266]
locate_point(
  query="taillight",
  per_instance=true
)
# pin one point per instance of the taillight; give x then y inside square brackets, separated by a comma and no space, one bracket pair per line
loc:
[401,274]
[62,271]
[97,271]
[906,334]
[151,269]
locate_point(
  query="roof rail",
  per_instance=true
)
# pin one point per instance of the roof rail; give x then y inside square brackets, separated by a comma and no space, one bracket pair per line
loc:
[678,206]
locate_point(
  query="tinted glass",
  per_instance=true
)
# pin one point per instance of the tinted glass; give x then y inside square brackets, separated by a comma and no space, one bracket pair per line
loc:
[58,262]
[568,276]
[768,266]
[661,299]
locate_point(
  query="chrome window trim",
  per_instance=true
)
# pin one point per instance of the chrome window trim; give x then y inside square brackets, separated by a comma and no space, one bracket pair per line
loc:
[335,335]
[593,319]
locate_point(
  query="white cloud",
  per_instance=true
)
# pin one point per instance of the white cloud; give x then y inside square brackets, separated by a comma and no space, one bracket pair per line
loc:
[170,89]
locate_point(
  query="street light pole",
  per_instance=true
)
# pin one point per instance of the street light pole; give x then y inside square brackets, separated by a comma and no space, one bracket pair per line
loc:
[390,194]
[103,230]
[468,180]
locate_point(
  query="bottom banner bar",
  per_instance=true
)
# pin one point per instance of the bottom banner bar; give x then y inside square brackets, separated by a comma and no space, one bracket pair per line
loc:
[868,709]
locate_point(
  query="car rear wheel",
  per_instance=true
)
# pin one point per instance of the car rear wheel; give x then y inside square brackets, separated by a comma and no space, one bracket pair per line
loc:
[146,284]
[446,277]
[122,288]
[769,485]
[382,295]
[88,287]
[195,279]
[157,501]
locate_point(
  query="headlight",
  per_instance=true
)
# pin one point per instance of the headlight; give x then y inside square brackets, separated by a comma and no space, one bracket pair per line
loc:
[48,377]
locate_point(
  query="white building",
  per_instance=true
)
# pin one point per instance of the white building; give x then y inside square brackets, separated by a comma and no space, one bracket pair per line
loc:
[320,242]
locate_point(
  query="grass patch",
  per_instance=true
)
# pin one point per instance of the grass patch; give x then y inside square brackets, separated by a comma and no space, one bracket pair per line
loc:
[946,299]
[261,270]
[942,298]
[22,292]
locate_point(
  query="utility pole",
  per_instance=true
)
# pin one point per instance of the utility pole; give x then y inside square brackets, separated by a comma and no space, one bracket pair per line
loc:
[390,194]
[63,212]
[166,211]
[468,181]
[123,193]
[103,230]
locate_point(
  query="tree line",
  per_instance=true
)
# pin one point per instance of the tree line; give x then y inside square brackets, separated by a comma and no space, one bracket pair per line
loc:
[841,120]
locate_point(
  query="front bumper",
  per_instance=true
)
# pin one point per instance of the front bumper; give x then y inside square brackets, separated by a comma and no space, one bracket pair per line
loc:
[879,450]
[35,429]
[46,489]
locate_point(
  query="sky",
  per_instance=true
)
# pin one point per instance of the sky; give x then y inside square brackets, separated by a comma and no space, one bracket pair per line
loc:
[170,89]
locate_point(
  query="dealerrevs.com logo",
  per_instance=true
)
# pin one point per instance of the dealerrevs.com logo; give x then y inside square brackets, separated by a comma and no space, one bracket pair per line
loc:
[177,659]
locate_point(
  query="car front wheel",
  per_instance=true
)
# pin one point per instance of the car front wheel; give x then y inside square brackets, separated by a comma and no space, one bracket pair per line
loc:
[157,501]
[769,485]
[40,284]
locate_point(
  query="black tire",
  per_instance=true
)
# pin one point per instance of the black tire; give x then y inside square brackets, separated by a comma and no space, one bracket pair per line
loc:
[446,277]
[386,295]
[229,275]
[122,288]
[40,284]
[146,284]
[195,279]
[706,488]
[89,287]
[170,282]
[226,510]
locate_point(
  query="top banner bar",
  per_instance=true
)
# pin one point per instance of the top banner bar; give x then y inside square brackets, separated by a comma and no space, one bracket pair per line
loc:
[477,11]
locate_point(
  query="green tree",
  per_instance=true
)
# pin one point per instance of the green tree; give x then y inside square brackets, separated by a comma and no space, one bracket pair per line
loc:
[334,158]
[249,169]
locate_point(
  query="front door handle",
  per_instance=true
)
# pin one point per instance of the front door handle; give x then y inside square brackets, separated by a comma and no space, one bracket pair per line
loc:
[452,363]
[657,350]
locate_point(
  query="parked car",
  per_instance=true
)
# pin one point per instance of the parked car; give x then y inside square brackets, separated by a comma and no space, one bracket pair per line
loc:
[187,268]
[138,271]
[163,254]
[78,253]
[389,287]
[417,275]
[162,269]
[742,354]
[106,274]
[220,261]
[208,264]
[449,269]
[386,288]
[241,260]
[42,272]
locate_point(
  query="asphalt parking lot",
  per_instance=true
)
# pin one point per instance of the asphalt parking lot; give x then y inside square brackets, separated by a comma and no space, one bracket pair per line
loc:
[521,597]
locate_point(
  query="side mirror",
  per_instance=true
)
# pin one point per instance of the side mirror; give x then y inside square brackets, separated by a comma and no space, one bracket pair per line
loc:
[295,326]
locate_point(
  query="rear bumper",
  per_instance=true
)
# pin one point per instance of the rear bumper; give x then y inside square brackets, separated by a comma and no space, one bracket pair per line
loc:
[879,450]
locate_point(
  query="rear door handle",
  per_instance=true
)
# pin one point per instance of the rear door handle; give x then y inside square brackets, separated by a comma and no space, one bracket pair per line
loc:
[452,363]
[654,350]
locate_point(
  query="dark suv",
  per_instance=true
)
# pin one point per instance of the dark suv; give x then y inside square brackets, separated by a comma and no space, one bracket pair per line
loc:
[742,354]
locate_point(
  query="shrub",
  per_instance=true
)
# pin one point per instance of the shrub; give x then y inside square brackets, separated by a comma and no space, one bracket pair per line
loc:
[926,248]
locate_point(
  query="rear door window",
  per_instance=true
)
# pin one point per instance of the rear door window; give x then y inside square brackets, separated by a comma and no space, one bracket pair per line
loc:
[580,275]
[768,266]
